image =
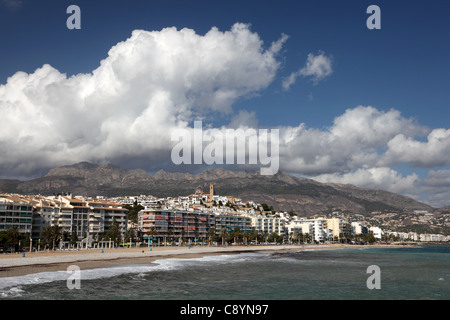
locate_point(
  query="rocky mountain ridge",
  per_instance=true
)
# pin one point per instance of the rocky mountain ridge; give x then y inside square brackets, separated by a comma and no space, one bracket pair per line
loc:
[283,191]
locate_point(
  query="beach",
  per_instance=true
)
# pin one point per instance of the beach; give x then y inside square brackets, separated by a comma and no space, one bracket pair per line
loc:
[12,265]
[286,272]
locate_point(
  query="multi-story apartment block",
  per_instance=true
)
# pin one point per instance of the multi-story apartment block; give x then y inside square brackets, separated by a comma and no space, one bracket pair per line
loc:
[433,237]
[230,223]
[298,226]
[85,218]
[161,225]
[42,216]
[377,232]
[305,227]
[263,224]
[319,233]
[75,216]
[337,227]
[359,228]
[103,213]
[16,212]
[319,230]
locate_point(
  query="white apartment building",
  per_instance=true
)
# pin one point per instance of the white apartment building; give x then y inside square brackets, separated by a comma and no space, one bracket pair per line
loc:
[78,216]
[320,231]
[42,216]
[295,227]
[359,228]
[337,227]
[315,228]
[268,224]
[16,212]
[377,232]
[102,214]
[432,237]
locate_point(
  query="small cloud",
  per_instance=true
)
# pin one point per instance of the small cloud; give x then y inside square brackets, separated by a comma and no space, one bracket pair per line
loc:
[289,81]
[244,119]
[318,67]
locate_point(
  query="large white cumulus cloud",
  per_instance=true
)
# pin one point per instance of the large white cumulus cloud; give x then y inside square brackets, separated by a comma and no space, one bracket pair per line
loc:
[357,138]
[149,84]
[361,147]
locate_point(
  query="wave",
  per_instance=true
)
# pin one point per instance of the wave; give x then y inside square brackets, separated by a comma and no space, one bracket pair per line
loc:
[13,286]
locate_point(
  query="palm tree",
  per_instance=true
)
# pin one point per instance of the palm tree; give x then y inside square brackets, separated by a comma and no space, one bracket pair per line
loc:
[307,237]
[3,239]
[13,237]
[253,235]
[265,236]
[130,234]
[336,238]
[182,233]
[291,236]
[300,237]
[170,235]
[73,238]
[46,236]
[113,232]
[247,236]
[223,234]
[211,234]
[56,232]
[236,235]
[65,235]
[274,237]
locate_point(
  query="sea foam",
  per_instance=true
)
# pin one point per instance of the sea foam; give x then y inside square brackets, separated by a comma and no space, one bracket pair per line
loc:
[13,286]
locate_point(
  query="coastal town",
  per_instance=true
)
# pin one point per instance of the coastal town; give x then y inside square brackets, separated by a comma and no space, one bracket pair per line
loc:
[66,221]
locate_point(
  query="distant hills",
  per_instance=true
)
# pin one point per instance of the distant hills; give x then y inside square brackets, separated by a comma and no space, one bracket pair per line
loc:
[283,191]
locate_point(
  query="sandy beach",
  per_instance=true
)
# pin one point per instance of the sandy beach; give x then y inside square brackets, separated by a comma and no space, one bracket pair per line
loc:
[12,265]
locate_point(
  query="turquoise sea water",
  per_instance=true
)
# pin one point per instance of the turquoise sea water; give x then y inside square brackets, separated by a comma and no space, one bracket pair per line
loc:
[405,273]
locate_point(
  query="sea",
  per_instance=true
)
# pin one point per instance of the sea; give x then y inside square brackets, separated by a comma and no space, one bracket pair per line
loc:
[403,273]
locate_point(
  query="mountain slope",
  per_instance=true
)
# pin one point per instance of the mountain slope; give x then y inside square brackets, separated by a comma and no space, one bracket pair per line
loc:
[282,191]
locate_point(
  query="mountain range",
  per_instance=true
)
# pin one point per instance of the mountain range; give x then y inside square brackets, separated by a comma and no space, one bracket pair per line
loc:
[283,191]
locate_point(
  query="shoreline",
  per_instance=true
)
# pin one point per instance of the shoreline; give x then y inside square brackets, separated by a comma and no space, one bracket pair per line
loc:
[16,265]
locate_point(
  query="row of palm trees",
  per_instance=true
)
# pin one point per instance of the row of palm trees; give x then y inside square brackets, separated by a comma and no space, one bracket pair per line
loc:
[242,237]
[52,235]
[239,237]
[343,238]
[13,240]
[225,236]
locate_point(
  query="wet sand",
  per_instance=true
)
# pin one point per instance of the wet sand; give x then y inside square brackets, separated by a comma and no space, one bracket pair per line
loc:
[13,265]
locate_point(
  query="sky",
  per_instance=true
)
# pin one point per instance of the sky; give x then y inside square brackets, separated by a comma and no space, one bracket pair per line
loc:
[367,107]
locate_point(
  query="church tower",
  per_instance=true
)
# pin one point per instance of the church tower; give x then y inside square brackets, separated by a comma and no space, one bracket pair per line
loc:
[211,193]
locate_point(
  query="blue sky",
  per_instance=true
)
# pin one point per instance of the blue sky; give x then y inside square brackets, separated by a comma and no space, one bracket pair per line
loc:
[403,67]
